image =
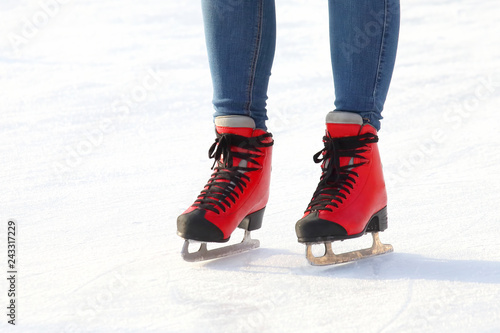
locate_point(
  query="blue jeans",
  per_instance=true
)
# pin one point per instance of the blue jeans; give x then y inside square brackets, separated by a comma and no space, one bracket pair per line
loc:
[241,39]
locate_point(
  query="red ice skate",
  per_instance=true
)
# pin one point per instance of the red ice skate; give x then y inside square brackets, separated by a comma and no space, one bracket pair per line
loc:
[236,194]
[351,198]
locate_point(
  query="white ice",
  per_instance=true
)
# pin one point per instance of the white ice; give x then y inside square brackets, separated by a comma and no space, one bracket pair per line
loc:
[105,123]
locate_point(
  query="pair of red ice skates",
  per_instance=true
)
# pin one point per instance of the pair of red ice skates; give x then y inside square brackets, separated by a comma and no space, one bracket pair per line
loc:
[350,199]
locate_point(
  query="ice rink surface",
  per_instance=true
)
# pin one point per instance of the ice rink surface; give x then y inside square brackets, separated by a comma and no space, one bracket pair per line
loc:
[104,131]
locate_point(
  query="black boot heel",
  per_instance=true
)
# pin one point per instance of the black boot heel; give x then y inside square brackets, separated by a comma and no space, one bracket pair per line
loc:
[378,222]
[252,221]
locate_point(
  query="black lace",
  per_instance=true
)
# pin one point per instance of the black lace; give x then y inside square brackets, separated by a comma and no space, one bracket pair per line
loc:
[219,192]
[336,180]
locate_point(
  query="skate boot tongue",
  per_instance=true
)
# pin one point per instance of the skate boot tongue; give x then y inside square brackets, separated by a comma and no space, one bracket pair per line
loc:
[341,124]
[239,125]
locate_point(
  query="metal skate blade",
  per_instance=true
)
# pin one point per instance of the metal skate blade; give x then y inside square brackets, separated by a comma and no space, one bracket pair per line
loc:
[330,258]
[204,254]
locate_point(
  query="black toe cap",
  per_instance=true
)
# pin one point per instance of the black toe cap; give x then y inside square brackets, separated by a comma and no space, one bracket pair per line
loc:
[313,229]
[195,226]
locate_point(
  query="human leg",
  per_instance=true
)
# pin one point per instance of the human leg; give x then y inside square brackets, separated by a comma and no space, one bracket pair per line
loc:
[363,43]
[351,197]
[241,38]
